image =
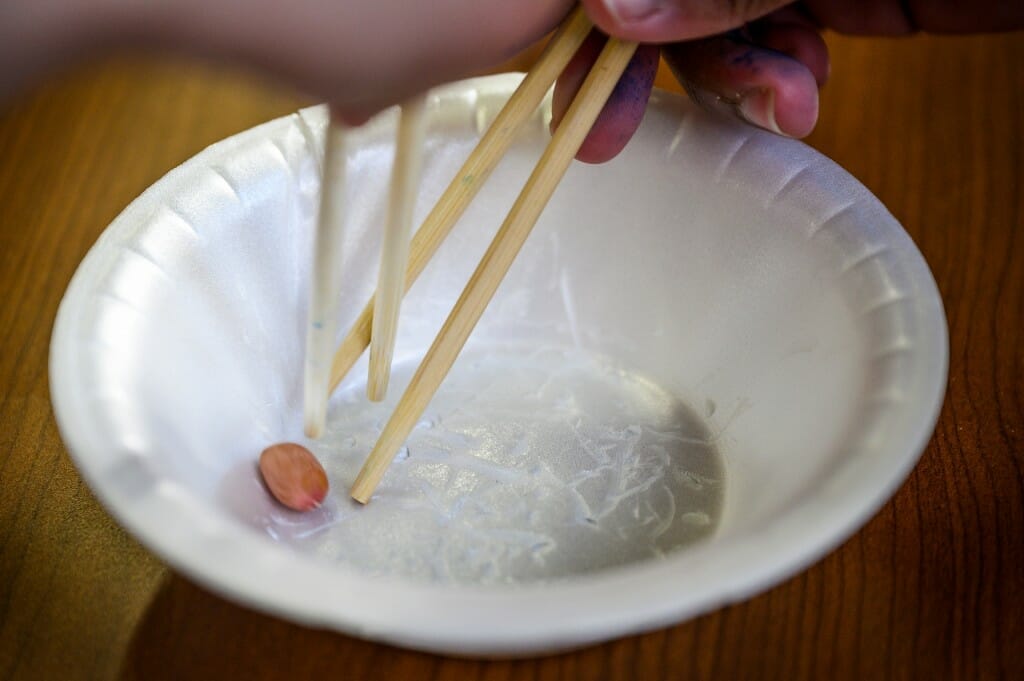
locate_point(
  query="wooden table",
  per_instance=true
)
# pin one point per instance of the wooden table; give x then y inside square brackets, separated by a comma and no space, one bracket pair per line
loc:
[932,587]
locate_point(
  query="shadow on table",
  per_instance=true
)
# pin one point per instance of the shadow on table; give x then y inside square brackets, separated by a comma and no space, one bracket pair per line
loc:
[188,633]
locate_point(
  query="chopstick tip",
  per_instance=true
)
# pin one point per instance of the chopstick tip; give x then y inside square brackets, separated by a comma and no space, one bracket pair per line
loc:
[313,430]
[377,386]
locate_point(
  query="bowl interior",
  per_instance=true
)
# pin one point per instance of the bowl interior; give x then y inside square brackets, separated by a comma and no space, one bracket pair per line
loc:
[707,341]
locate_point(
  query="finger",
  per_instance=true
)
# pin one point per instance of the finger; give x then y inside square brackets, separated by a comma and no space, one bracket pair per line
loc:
[662,21]
[797,40]
[348,118]
[795,13]
[766,88]
[623,112]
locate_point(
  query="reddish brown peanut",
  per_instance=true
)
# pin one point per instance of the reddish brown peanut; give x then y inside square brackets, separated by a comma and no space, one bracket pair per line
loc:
[293,476]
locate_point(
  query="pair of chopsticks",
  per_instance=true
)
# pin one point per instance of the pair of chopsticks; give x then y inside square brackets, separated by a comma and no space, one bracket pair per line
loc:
[540,186]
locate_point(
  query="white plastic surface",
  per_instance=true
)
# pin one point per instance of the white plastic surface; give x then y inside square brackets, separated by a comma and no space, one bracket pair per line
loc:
[715,357]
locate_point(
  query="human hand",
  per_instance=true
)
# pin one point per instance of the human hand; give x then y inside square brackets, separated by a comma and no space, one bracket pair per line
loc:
[359,55]
[364,55]
[765,59]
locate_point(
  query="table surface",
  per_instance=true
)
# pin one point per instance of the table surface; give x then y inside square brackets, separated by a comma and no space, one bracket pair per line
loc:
[931,587]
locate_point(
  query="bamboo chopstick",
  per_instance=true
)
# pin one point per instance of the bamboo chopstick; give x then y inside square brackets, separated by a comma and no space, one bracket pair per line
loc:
[405,179]
[322,323]
[474,172]
[499,256]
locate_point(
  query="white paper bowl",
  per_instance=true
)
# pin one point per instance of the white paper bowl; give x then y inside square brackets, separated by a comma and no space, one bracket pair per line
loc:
[719,338]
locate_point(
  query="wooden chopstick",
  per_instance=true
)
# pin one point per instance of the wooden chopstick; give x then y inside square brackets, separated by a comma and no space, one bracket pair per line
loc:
[474,172]
[405,178]
[499,256]
[322,324]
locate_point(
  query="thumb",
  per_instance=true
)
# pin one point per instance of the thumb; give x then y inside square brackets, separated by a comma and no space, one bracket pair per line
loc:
[662,21]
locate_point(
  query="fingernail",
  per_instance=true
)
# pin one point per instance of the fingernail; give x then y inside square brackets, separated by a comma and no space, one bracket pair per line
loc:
[632,11]
[757,107]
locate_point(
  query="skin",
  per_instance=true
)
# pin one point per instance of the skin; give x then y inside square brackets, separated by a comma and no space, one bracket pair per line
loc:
[762,60]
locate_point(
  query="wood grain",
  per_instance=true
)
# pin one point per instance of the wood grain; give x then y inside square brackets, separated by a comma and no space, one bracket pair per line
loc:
[394,249]
[932,587]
